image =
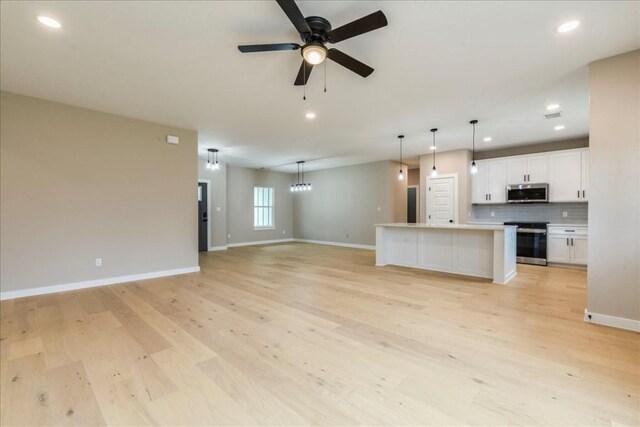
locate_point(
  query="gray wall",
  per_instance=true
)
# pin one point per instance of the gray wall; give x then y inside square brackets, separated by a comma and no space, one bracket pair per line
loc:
[614,198]
[345,201]
[78,184]
[577,213]
[240,184]
[566,144]
[218,191]
[448,162]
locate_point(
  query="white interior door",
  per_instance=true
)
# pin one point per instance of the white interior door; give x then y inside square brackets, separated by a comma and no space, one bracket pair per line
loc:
[442,200]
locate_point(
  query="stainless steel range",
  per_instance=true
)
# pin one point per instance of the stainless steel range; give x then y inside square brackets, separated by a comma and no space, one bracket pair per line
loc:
[531,242]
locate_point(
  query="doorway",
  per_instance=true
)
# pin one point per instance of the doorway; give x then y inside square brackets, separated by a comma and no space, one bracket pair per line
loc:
[442,199]
[412,204]
[204,207]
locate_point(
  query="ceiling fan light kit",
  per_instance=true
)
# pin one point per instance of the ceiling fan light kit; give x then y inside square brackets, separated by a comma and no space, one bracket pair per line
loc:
[315,32]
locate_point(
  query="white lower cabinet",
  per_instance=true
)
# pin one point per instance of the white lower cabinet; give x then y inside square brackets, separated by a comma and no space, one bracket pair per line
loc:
[567,245]
[558,249]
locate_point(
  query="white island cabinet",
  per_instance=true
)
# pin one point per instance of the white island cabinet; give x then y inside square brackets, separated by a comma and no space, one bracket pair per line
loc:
[487,251]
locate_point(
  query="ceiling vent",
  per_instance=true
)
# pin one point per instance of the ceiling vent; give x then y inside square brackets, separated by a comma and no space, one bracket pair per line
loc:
[553,115]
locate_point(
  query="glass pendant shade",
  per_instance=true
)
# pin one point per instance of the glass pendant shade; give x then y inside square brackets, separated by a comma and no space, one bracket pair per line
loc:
[434,171]
[400,175]
[474,168]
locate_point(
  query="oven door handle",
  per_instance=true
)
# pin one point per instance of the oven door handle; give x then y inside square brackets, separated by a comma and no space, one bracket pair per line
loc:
[531,231]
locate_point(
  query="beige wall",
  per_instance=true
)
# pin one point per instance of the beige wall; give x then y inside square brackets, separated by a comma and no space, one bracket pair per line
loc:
[566,144]
[240,184]
[614,184]
[218,191]
[414,177]
[449,162]
[345,201]
[77,185]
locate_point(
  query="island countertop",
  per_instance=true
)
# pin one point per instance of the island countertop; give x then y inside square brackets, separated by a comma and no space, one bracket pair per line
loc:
[489,227]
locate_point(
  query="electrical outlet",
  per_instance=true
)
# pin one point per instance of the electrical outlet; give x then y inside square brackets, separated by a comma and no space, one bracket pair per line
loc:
[228,236]
[284,232]
[346,235]
[379,209]
[98,262]
[564,214]
[218,209]
[493,214]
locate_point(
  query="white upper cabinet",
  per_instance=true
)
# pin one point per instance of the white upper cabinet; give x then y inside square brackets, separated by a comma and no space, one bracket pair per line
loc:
[568,176]
[497,183]
[525,169]
[585,175]
[538,169]
[489,184]
[566,172]
[516,170]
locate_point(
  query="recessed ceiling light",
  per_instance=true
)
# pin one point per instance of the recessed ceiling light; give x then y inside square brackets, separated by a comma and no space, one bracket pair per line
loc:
[49,22]
[559,127]
[553,107]
[310,115]
[568,26]
[486,139]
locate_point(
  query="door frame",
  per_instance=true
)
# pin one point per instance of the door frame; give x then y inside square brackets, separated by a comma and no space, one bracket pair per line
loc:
[455,194]
[209,213]
[417,187]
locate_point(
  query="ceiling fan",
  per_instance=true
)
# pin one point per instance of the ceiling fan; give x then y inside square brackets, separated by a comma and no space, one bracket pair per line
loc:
[315,33]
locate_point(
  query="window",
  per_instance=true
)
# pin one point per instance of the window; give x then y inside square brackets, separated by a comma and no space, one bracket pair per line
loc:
[263,207]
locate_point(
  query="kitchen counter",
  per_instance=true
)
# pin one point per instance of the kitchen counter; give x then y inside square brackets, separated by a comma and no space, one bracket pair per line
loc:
[471,226]
[567,225]
[479,250]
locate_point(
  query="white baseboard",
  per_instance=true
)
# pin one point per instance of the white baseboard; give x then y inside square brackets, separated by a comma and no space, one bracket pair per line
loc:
[613,321]
[258,242]
[95,283]
[346,245]
[217,248]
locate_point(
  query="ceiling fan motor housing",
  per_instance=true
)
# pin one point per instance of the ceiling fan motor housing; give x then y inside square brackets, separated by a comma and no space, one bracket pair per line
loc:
[320,29]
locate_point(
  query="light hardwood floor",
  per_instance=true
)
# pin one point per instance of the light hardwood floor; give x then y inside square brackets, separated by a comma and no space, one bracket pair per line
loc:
[301,334]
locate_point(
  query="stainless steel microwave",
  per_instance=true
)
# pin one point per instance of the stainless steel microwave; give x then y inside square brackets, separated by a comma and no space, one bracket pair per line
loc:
[528,193]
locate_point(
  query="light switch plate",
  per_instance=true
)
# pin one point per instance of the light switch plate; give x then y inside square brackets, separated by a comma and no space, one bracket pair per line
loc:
[493,214]
[564,214]
[98,262]
[172,139]
[217,208]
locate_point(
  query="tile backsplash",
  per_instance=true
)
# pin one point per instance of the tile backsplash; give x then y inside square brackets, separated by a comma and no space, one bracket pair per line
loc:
[550,212]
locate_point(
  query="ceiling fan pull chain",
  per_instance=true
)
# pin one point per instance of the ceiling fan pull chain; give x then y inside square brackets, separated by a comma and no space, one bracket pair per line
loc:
[304,76]
[325,76]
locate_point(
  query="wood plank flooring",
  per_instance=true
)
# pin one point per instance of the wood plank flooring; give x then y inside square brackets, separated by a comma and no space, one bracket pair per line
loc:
[301,334]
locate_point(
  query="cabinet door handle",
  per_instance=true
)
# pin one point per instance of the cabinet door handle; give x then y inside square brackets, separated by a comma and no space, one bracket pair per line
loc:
[571,242]
[583,196]
[524,177]
[489,196]
[578,194]
[567,241]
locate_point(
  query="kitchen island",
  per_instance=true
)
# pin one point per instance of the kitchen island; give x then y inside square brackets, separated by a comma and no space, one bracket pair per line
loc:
[487,251]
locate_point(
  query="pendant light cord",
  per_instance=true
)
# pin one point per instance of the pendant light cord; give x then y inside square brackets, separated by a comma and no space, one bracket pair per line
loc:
[473,155]
[434,149]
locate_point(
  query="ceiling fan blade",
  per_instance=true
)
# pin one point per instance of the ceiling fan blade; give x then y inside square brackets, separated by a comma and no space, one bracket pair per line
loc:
[303,74]
[349,62]
[359,26]
[267,47]
[290,8]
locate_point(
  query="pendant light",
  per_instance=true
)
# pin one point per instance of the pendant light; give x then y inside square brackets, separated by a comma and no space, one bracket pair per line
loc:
[212,159]
[434,171]
[474,168]
[300,185]
[400,173]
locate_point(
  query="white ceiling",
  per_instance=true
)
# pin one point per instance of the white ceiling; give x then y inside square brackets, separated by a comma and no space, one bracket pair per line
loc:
[437,64]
